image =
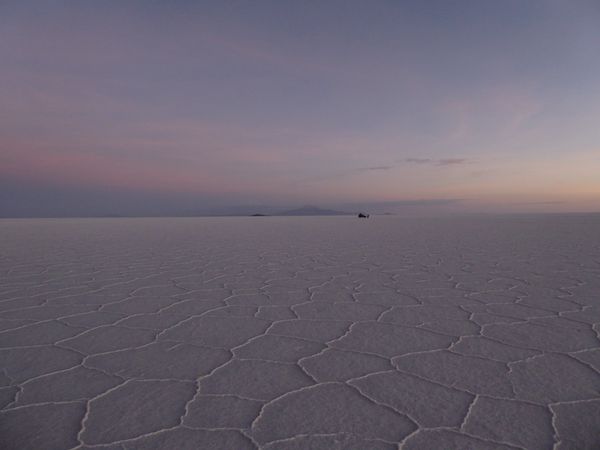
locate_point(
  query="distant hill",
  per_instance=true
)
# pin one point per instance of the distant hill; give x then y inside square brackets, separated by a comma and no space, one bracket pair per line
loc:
[309,210]
[262,210]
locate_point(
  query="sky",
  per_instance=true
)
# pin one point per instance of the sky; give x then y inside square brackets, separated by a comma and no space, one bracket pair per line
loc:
[177,107]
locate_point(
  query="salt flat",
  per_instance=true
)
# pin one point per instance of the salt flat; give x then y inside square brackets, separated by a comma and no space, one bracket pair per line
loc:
[300,333]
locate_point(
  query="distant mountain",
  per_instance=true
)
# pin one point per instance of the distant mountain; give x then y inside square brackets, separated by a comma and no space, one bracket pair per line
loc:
[309,210]
[262,210]
[239,210]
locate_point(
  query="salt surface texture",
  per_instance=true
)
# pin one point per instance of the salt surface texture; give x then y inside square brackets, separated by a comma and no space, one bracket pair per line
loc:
[297,332]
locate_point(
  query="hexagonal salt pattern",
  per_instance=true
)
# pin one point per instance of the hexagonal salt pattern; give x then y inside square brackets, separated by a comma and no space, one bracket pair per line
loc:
[300,333]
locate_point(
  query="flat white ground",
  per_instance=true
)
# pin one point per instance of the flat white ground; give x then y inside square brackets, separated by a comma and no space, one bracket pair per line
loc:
[300,333]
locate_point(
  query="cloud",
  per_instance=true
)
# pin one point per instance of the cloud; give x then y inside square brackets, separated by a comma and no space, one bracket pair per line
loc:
[436,162]
[364,169]
[451,161]
[403,203]
[421,161]
[418,160]
[550,202]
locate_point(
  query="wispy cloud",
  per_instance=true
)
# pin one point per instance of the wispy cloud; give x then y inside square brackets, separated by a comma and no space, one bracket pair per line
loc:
[365,169]
[436,162]
[549,202]
[421,161]
[422,202]
[418,160]
[451,161]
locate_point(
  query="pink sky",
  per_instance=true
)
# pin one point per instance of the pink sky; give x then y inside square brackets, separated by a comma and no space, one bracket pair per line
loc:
[489,108]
